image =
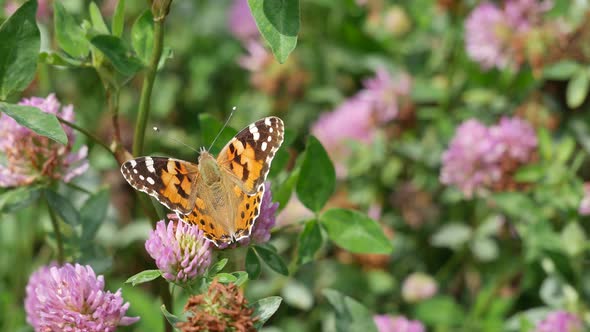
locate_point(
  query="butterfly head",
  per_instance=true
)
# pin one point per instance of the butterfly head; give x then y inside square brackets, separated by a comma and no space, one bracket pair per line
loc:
[209,168]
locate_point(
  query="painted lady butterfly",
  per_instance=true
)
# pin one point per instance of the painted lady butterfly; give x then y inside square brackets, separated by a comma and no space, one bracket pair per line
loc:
[220,195]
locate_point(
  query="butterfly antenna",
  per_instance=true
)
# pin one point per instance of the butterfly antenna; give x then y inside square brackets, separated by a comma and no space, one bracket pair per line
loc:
[157,130]
[222,128]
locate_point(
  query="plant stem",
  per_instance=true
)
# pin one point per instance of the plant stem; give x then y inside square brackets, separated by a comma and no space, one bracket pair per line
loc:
[88,134]
[56,231]
[113,104]
[148,84]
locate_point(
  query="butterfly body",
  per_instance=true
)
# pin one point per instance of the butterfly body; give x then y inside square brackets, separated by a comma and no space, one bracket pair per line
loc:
[220,195]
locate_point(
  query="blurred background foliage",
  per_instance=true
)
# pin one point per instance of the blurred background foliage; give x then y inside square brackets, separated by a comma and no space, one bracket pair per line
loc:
[500,261]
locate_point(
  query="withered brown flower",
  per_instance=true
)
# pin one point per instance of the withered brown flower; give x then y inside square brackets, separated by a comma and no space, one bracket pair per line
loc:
[222,308]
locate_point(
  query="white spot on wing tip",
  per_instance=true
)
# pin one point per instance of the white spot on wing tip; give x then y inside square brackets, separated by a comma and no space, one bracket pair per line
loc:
[263,146]
[267,121]
[151,181]
[133,162]
[256,135]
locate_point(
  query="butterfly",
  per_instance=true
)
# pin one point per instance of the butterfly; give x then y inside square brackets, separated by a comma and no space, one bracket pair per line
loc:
[220,195]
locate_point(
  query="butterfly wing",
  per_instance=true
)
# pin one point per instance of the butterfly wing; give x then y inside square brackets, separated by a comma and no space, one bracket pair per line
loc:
[172,182]
[211,223]
[249,154]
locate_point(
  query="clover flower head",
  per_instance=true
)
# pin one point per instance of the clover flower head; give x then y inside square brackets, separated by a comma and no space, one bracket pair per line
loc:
[387,323]
[481,158]
[560,321]
[72,298]
[180,250]
[241,23]
[29,157]
[222,308]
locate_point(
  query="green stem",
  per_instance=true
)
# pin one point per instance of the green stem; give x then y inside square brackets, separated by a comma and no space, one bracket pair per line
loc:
[88,134]
[57,232]
[148,84]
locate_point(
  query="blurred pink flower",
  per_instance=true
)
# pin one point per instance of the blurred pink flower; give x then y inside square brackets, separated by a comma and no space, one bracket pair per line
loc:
[30,157]
[490,31]
[584,208]
[387,323]
[293,211]
[241,23]
[43,8]
[357,118]
[72,298]
[487,35]
[475,158]
[560,321]
[258,56]
[418,286]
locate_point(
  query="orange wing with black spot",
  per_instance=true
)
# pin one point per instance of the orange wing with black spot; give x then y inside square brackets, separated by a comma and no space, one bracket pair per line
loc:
[172,182]
[249,154]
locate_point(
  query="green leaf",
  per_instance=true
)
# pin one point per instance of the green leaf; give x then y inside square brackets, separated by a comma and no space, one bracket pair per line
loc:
[42,123]
[56,59]
[70,36]
[217,267]
[143,276]
[264,309]
[310,242]
[355,232]
[252,264]
[62,207]
[282,193]
[451,235]
[18,198]
[297,295]
[118,54]
[97,19]
[19,47]
[272,259]
[577,89]
[565,150]
[225,278]
[545,144]
[142,36]
[119,19]
[351,316]
[574,238]
[441,310]
[241,277]
[172,319]
[93,213]
[530,173]
[562,70]
[317,177]
[278,22]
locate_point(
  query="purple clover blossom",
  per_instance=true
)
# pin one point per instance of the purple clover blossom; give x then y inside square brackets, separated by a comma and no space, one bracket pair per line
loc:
[473,161]
[560,321]
[266,219]
[358,116]
[72,298]
[515,137]
[387,323]
[524,14]
[487,33]
[382,93]
[489,30]
[241,23]
[30,157]
[180,250]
